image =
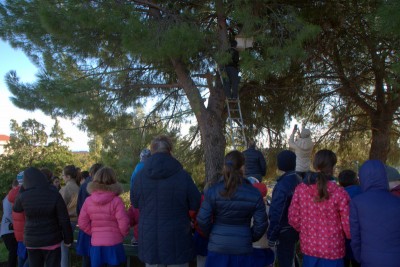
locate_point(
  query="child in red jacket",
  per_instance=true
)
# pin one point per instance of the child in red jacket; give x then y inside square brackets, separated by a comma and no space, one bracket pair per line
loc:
[19,222]
[133,215]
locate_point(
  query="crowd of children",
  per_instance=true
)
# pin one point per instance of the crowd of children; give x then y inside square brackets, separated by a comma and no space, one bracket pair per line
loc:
[355,222]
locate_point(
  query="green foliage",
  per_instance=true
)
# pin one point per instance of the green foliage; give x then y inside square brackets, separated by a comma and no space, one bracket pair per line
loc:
[103,61]
[29,146]
[3,252]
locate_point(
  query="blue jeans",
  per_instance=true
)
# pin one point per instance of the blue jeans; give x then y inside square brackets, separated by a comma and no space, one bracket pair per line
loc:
[286,249]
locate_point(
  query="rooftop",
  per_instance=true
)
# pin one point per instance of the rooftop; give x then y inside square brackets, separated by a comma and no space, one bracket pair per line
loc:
[4,137]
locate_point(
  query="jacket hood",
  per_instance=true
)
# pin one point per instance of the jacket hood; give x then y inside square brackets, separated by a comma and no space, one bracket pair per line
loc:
[33,177]
[13,194]
[102,197]
[286,161]
[392,174]
[116,188]
[161,166]
[373,176]
[305,133]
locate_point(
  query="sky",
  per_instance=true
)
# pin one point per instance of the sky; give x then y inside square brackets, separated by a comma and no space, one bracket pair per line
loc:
[12,59]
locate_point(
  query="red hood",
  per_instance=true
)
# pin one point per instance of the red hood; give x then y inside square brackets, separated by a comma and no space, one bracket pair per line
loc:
[13,194]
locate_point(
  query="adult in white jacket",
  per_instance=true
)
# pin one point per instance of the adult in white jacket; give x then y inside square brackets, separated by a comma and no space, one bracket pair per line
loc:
[302,147]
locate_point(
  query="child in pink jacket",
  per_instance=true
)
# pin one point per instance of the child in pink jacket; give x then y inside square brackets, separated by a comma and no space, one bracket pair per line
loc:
[103,216]
[319,211]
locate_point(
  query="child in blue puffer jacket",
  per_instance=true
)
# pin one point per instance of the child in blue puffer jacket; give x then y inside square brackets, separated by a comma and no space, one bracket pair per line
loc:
[226,213]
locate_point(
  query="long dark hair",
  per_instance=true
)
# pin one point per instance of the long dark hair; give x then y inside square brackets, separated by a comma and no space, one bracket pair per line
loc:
[324,162]
[232,172]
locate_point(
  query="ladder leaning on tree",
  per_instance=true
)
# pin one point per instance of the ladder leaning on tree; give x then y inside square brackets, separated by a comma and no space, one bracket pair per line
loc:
[235,118]
[236,126]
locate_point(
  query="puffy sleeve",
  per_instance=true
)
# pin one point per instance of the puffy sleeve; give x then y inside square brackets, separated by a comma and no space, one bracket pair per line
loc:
[294,210]
[84,221]
[204,217]
[194,196]
[260,220]
[276,213]
[121,216]
[64,221]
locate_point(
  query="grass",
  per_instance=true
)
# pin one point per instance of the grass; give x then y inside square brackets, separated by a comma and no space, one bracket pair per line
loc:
[3,252]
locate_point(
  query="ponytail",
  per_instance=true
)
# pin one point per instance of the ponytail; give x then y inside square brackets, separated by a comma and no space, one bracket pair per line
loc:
[232,173]
[322,187]
[324,162]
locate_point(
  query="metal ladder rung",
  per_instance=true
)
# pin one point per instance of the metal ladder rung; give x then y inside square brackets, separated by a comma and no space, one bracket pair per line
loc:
[236,123]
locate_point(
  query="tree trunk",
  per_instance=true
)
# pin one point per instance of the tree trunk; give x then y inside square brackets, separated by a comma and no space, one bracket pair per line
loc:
[380,143]
[209,119]
[213,140]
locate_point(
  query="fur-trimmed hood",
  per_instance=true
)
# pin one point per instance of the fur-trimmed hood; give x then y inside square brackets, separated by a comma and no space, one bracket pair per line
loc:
[114,188]
[103,194]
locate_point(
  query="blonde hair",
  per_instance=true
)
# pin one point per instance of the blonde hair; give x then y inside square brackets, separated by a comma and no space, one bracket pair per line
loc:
[105,175]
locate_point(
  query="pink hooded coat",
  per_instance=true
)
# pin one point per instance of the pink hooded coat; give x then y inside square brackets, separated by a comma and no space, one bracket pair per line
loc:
[322,225]
[103,215]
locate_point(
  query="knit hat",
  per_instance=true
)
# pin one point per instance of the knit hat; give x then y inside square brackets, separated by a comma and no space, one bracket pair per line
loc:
[20,178]
[262,188]
[144,154]
[305,133]
[392,174]
[286,161]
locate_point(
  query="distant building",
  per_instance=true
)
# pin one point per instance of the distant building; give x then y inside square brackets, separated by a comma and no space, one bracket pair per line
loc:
[4,139]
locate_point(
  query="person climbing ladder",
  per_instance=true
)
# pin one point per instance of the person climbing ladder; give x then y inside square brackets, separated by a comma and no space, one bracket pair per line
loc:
[231,73]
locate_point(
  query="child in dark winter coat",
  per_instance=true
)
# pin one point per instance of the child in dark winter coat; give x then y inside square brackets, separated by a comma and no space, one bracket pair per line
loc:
[103,216]
[348,179]
[47,222]
[280,234]
[225,215]
[375,219]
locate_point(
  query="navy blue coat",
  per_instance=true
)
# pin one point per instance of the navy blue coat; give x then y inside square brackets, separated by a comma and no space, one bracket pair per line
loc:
[255,163]
[281,199]
[83,194]
[165,193]
[228,221]
[375,219]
